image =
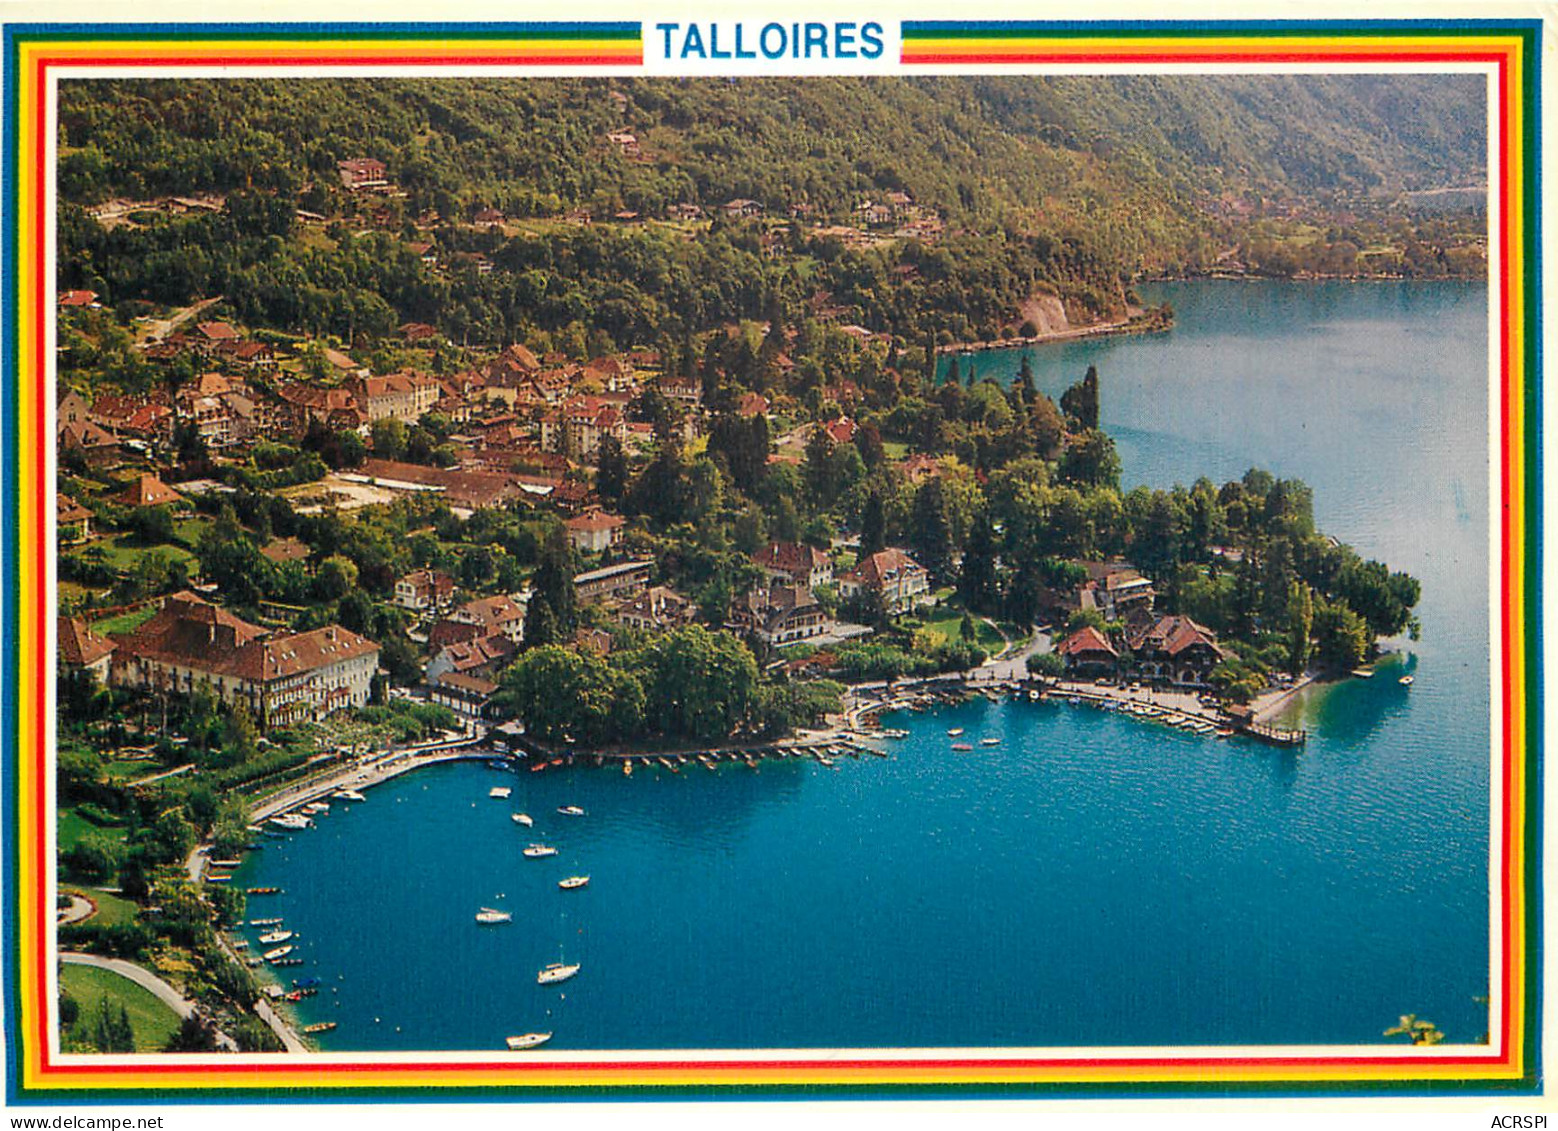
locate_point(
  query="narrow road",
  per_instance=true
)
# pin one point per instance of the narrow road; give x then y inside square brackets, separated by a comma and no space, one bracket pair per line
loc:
[161,329]
[147,981]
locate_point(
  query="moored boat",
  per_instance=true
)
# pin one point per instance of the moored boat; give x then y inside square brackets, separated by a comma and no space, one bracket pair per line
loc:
[349,795]
[279,952]
[320,1027]
[535,851]
[522,819]
[570,810]
[501,792]
[270,938]
[493,915]
[954,732]
[556,972]
[961,747]
[573,882]
[1407,680]
[528,1040]
[989,742]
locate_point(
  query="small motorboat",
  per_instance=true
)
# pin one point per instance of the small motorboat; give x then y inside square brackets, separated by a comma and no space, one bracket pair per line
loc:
[1407,680]
[279,952]
[627,768]
[961,747]
[522,819]
[989,742]
[536,851]
[501,792]
[304,983]
[1362,673]
[349,795]
[528,1040]
[493,915]
[954,732]
[317,807]
[290,821]
[556,972]
[271,938]
[570,810]
[573,882]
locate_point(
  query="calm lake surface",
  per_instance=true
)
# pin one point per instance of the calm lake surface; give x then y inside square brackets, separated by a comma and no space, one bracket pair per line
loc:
[1091,881]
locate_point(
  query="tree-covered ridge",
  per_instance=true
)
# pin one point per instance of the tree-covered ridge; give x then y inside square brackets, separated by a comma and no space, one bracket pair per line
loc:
[957,143]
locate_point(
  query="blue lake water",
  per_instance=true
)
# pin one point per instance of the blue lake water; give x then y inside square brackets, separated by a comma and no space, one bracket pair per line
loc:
[1091,881]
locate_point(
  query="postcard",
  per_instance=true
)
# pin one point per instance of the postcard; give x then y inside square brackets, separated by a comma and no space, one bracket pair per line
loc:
[851,555]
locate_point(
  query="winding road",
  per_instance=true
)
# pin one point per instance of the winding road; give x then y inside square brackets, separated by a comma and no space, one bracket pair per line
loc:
[147,981]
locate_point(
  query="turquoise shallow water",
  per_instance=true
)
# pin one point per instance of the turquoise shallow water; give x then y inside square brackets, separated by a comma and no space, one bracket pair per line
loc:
[1093,880]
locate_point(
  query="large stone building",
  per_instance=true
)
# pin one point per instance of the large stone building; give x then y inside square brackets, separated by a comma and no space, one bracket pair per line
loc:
[300,677]
[398,396]
[795,563]
[898,578]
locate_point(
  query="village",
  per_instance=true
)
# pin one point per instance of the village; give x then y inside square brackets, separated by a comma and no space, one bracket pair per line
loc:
[359,475]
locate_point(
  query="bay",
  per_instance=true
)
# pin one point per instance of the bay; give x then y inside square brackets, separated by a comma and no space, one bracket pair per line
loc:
[1093,880]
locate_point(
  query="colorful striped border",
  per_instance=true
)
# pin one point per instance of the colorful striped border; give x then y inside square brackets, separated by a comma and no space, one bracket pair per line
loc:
[34,52]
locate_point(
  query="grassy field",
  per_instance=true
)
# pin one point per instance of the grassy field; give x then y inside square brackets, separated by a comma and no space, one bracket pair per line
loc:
[152,1022]
[125,622]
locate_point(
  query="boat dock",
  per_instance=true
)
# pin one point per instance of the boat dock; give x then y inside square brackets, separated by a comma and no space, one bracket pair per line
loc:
[817,748]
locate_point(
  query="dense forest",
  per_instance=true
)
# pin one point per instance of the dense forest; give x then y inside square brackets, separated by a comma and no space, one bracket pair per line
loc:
[1066,187]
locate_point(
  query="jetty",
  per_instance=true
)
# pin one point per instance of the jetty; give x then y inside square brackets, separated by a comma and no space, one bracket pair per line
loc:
[818,746]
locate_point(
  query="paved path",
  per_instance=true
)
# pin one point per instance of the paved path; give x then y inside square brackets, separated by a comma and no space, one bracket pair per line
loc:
[80,908]
[147,981]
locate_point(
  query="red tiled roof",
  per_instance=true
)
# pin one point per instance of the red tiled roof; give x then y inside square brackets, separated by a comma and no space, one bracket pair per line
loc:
[78,644]
[67,509]
[872,571]
[594,522]
[191,631]
[78,298]
[149,491]
[1086,639]
[794,558]
[217,331]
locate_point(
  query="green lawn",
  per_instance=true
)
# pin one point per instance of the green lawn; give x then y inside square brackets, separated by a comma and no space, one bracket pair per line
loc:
[895,449]
[122,552]
[946,625]
[125,622]
[112,910]
[73,826]
[152,1022]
